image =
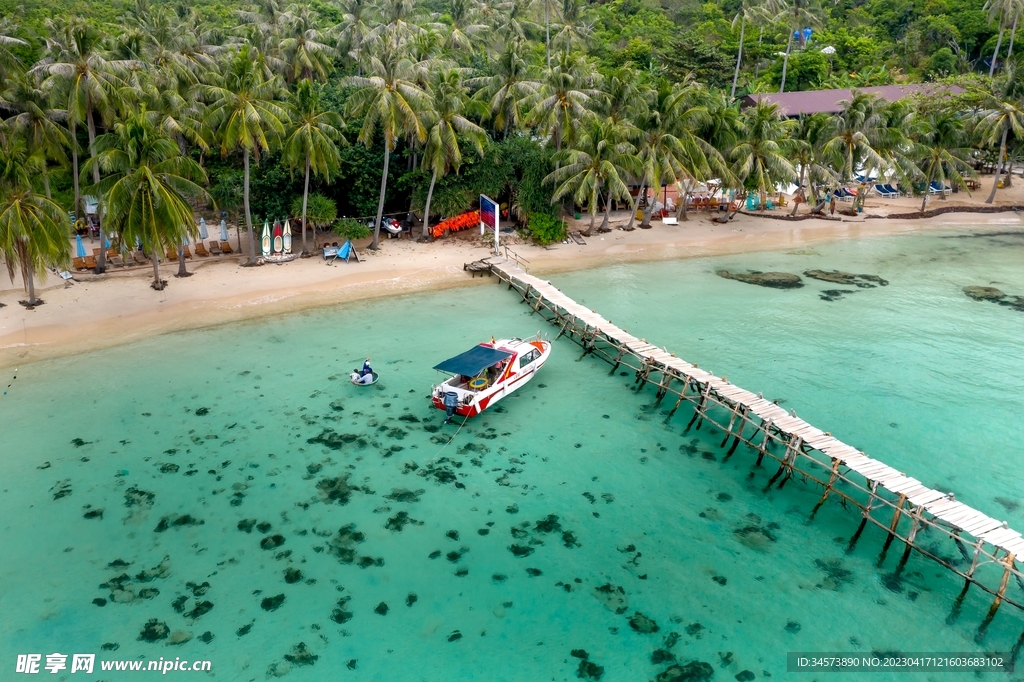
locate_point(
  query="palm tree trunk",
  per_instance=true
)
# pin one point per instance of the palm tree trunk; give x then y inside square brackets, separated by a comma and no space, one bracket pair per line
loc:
[79,208]
[799,189]
[547,30]
[646,222]
[684,202]
[1008,180]
[248,215]
[157,284]
[182,270]
[999,166]
[995,55]
[426,209]
[785,61]
[607,215]
[305,198]
[636,204]
[380,204]
[1013,33]
[593,215]
[101,261]
[30,283]
[927,188]
[739,55]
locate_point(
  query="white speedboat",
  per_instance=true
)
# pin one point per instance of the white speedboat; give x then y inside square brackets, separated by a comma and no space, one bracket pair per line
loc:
[486,373]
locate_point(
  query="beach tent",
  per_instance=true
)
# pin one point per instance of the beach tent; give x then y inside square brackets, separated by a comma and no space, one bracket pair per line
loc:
[202,229]
[223,231]
[79,247]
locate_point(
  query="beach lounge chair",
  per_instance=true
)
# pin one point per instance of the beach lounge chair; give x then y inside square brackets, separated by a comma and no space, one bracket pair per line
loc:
[112,252]
[881,191]
[90,262]
[936,188]
[96,252]
[140,258]
[214,248]
[78,263]
[116,260]
[188,254]
[201,249]
[892,190]
[225,248]
[172,254]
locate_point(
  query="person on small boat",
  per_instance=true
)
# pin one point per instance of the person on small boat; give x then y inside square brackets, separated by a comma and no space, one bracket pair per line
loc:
[358,378]
[366,368]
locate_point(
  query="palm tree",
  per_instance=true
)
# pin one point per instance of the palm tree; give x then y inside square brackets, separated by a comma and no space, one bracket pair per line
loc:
[354,27]
[755,14]
[854,138]
[796,14]
[37,123]
[1001,11]
[689,111]
[303,45]
[312,139]
[9,62]
[599,162]
[759,158]
[515,20]
[805,147]
[466,23]
[509,90]
[659,151]
[148,186]
[388,99]
[82,77]
[1003,116]
[33,229]
[941,143]
[575,30]
[563,98]
[246,116]
[449,101]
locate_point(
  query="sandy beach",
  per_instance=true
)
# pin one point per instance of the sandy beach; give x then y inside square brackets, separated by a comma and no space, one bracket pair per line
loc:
[120,307]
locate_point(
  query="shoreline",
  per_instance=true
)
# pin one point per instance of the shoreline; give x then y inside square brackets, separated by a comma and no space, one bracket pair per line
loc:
[103,312]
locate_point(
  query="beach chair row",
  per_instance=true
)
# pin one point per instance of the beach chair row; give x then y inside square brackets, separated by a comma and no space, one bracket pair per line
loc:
[115,258]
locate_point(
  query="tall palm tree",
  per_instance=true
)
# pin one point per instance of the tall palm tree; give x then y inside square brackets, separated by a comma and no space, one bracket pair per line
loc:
[565,94]
[514,20]
[1003,116]
[854,138]
[805,147]
[659,152]
[941,143]
[599,163]
[689,108]
[446,122]
[85,82]
[759,158]
[466,23]
[796,15]
[37,123]
[509,90]
[354,27]
[147,186]
[246,116]
[389,100]
[312,139]
[752,12]
[304,45]
[575,31]
[1002,11]
[33,229]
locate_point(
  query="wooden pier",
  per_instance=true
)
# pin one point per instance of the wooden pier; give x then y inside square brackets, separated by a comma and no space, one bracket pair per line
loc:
[902,506]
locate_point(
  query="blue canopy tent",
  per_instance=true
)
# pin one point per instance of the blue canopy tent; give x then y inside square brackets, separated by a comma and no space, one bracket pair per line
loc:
[473,361]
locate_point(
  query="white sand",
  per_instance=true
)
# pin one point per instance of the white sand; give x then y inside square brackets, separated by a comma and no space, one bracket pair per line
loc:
[120,307]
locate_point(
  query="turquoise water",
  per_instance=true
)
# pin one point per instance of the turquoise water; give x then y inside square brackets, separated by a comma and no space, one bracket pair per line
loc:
[242,456]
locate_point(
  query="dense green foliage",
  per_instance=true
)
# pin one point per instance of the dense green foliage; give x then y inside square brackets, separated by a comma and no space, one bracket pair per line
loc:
[362,108]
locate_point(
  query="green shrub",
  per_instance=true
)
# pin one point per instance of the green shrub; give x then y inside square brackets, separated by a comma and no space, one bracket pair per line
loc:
[320,210]
[350,228]
[545,228]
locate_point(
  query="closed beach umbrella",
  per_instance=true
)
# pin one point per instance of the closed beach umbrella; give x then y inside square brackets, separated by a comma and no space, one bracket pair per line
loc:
[287,237]
[266,238]
[79,246]
[202,229]
[106,238]
[223,231]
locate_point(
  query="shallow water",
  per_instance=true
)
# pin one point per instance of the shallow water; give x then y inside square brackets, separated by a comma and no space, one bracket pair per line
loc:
[217,424]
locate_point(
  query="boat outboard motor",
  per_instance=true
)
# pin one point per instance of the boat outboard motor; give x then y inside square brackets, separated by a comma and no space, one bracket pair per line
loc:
[451,402]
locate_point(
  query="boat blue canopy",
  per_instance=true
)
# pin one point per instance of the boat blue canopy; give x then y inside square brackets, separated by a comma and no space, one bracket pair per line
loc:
[473,361]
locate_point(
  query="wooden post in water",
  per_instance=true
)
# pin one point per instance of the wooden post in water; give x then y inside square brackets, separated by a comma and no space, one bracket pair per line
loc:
[682,397]
[828,488]
[762,449]
[792,450]
[915,521]
[618,358]
[873,487]
[698,411]
[892,528]
[1008,567]
[739,433]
